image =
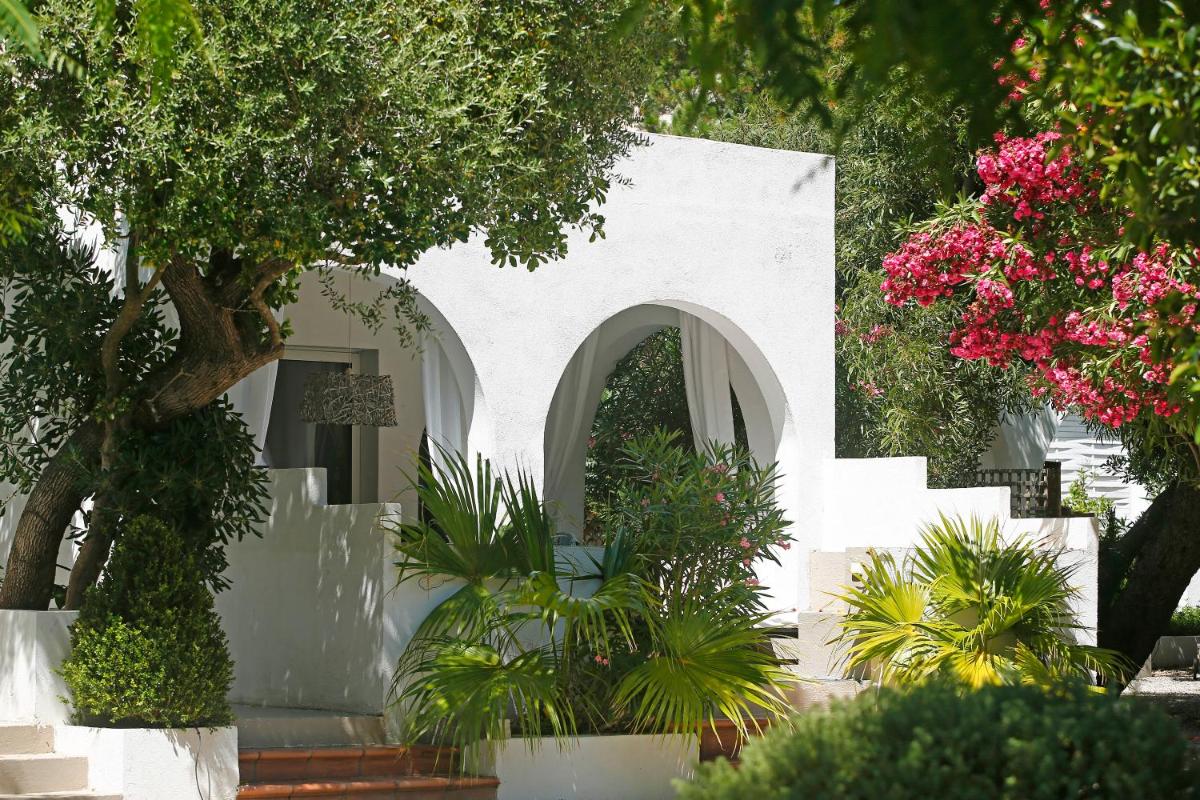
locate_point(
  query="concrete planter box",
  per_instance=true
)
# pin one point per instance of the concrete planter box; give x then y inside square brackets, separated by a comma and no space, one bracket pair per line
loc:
[594,768]
[32,646]
[1174,652]
[156,764]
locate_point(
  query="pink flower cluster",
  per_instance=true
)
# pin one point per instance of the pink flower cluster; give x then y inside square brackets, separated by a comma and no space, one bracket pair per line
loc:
[1084,355]
[1020,174]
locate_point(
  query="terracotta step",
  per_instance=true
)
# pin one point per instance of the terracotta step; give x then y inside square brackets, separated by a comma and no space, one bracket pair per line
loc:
[724,742]
[259,765]
[407,787]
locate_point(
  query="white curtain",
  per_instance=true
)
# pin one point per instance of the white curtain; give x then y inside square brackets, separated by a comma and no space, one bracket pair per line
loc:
[567,430]
[706,380]
[251,397]
[445,418]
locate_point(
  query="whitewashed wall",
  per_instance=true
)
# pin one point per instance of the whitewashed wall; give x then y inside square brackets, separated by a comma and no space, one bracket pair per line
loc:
[740,237]
[883,503]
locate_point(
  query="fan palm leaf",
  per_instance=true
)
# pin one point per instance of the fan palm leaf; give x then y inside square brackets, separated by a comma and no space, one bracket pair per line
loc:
[968,605]
[469,691]
[710,661]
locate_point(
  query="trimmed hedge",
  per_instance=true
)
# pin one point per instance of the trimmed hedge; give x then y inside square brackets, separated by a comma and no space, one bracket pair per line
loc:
[147,650]
[1185,622]
[998,743]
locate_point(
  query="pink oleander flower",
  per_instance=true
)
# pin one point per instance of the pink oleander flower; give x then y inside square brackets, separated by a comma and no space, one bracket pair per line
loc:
[745,543]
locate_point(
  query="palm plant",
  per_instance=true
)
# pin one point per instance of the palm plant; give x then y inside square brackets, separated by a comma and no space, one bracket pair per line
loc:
[516,642]
[969,607]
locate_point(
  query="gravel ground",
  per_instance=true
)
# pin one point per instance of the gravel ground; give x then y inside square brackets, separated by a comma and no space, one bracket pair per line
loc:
[1178,694]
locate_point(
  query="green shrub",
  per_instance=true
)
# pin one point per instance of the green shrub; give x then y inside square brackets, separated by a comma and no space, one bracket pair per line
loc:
[148,649]
[970,607]
[999,743]
[1185,622]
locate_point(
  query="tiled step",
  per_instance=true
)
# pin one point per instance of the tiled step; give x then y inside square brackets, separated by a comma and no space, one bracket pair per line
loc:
[406,787]
[25,739]
[42,772]
[321,763]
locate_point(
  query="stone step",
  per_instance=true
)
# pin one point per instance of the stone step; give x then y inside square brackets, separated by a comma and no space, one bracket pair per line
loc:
[42,772]
[26,739]
[258,765]
[71,795]
[267,727]
[409,787]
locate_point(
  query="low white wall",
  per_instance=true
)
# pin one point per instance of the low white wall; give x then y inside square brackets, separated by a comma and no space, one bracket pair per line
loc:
[314,616]
[305,611]
[32,646]
[882,504]
[152,764]
[1174,652]
[595,768]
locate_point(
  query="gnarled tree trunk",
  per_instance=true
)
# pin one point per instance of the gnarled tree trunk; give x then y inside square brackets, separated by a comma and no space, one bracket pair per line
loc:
[221,341]
[1141,583]
[29,578]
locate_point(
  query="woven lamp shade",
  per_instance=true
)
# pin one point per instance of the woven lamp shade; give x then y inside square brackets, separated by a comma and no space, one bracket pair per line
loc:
[342,398]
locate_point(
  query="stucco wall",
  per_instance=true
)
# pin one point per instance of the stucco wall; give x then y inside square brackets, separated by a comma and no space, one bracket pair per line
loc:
[305,613]
[741,237]
[883,503]
[32,646]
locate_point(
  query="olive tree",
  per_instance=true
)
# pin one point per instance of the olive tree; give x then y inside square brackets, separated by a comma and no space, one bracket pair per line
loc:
[291,136]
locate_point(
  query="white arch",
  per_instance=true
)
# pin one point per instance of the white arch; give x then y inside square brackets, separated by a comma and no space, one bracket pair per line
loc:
[455,408]
[771,434]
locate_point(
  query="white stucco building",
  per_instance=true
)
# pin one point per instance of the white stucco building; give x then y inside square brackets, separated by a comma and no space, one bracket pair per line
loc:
[734,245]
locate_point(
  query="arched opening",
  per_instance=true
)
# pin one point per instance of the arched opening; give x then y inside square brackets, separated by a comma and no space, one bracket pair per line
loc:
[721,371]
[646,391]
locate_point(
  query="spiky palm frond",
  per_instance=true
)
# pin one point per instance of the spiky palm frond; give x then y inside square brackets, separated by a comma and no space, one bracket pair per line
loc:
[466,693]
[710,660]
[969,606]
[18,26]
[585,619]
[460,535]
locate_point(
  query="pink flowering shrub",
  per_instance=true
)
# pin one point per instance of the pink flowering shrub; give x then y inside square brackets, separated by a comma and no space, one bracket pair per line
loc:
[1045,287]
[701,522]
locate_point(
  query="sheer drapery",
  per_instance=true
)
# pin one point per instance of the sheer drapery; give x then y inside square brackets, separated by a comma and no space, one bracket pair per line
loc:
[706,381]
[252,397]
[445,415]
[568,426]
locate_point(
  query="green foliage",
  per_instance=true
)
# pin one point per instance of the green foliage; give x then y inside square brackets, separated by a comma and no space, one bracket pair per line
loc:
[148,649]
[900,152]
[1185,622]
[388,128]
[18,27]
[197,474]
[716,506]
[1079,502]
[644,393]
[969,608]
[999,743]
[638,639]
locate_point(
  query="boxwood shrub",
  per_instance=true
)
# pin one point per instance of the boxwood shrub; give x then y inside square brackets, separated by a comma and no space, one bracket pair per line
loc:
[147,650]
[1004,742]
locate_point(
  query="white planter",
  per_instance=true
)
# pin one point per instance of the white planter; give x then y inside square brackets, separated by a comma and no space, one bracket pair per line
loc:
[32,646]
[595,768]
[156,764]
